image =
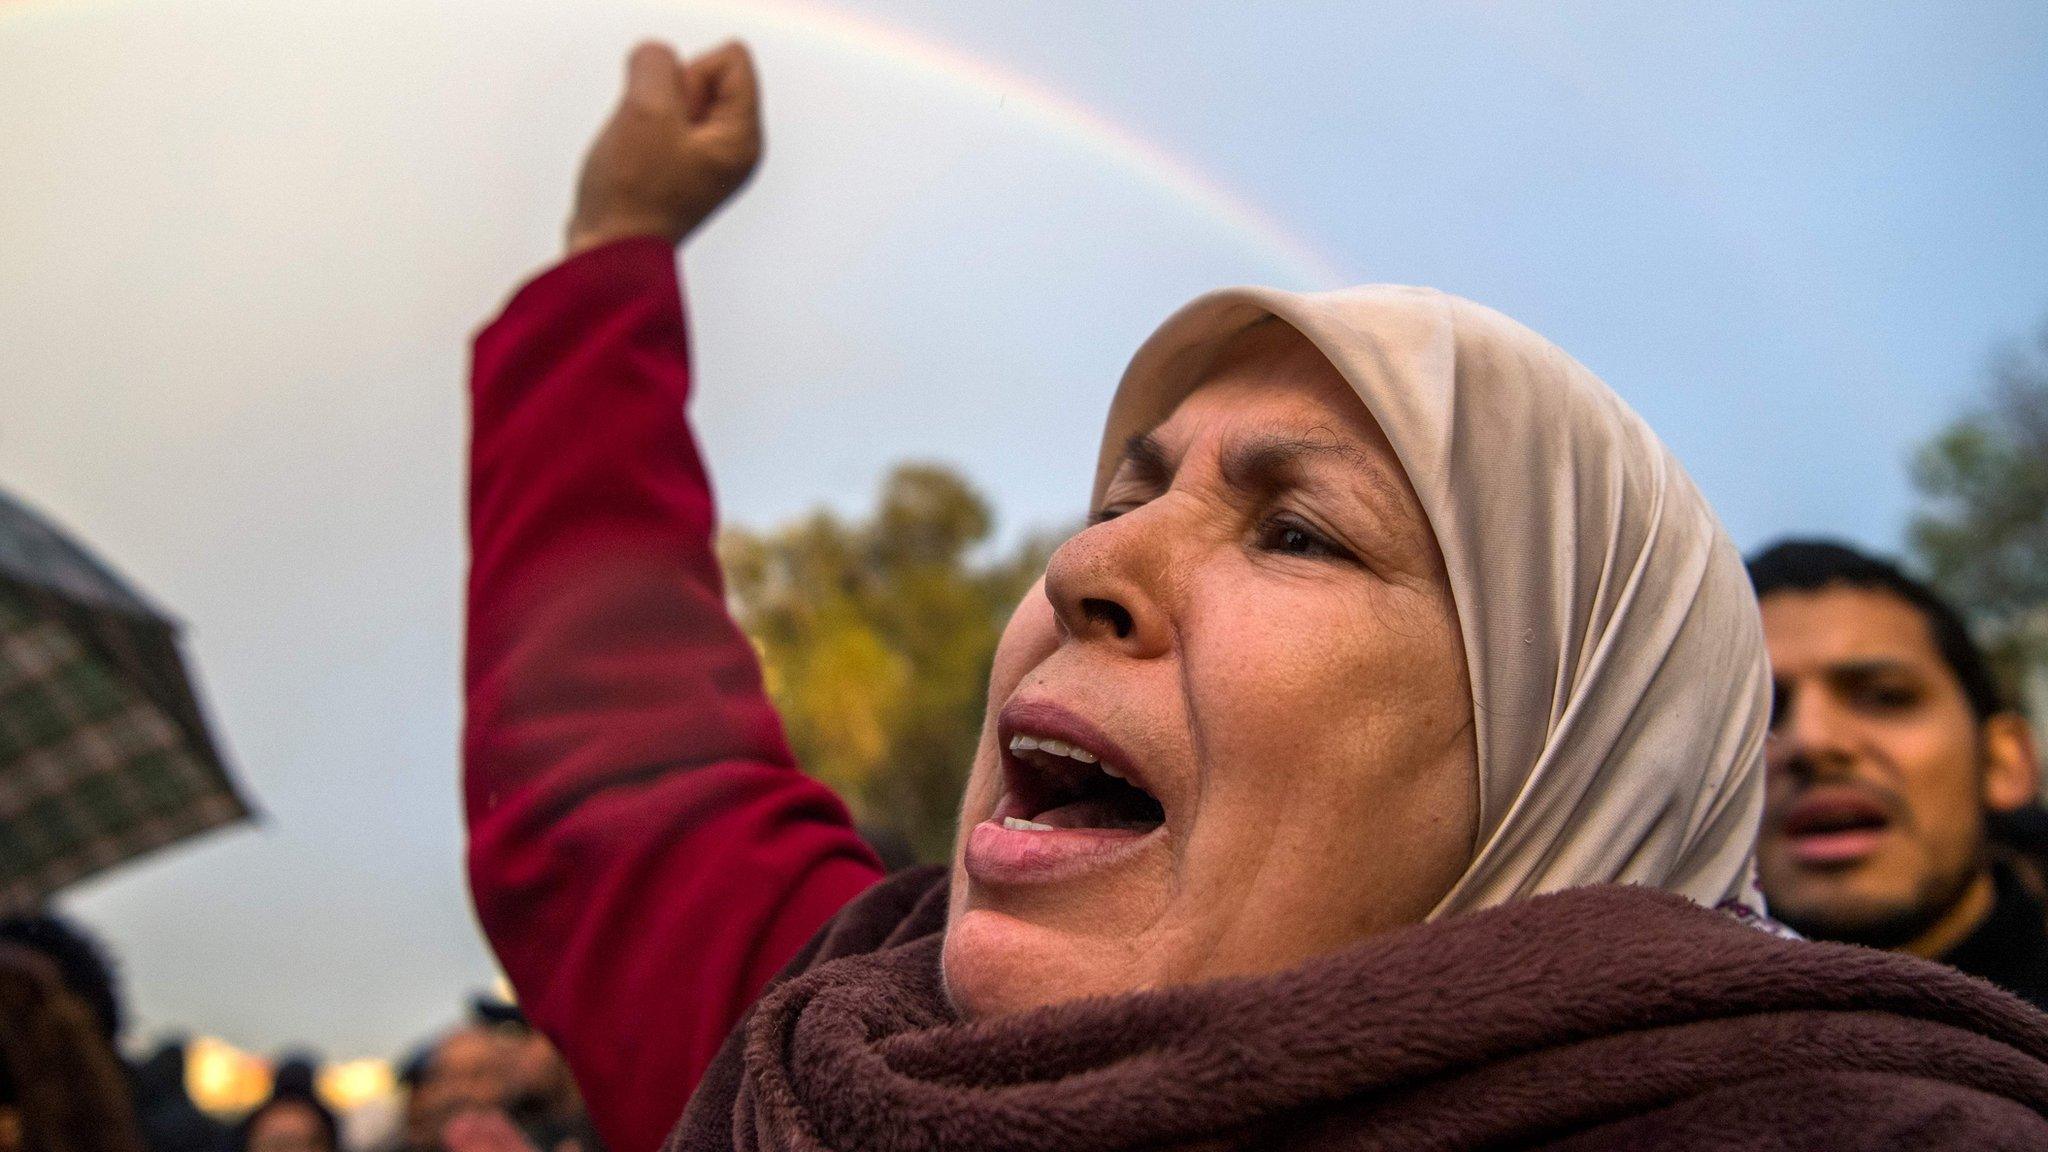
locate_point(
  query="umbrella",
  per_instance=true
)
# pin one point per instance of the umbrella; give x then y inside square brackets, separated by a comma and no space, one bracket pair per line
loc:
[104,751]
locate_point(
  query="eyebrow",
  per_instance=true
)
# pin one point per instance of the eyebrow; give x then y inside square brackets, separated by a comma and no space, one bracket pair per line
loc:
[1868,667]
[1147,457]
[1263,464]
[1871,666]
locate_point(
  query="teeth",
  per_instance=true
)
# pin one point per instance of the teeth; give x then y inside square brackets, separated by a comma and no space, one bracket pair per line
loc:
[1061,748]
[1057,748]
[1016,825]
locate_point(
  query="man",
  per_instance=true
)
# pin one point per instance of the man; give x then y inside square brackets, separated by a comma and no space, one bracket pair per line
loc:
[543,1100]
[1892,753]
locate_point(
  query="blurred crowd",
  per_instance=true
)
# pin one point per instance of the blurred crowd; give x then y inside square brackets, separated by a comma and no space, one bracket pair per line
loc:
[490,1082]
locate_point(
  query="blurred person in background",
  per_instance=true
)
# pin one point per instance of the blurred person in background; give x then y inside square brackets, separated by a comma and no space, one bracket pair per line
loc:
[1893,757]
[171,1121]
[167,1119]
[62,1087]
[466,1071]
[417,1123]
[291,1120]
[1380,768]
[543,1101]
[470,1069]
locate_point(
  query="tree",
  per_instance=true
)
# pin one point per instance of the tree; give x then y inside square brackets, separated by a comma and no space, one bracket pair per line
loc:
[1982,531]
[876,639]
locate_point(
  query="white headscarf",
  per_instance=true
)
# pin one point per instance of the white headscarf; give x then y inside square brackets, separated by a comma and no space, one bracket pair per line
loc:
[1619,686]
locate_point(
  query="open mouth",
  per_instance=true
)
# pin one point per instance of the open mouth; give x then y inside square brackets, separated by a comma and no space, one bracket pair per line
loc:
[1057,784]
[1835,827]
[1073,803]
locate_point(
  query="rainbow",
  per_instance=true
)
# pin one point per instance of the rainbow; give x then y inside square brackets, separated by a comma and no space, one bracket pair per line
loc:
[1057,115]
[1048,110]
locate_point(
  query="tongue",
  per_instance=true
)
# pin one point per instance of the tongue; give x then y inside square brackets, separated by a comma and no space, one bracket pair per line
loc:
[1094,812]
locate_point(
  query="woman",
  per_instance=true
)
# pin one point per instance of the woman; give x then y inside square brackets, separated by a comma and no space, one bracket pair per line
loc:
[1390,620]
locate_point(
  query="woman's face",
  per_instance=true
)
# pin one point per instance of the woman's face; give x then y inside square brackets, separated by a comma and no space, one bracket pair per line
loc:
[1257,634]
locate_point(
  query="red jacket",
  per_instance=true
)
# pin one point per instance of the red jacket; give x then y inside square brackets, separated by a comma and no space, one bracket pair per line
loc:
[643,852]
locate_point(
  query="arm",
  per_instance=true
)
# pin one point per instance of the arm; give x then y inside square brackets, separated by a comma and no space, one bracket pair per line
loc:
[643,853]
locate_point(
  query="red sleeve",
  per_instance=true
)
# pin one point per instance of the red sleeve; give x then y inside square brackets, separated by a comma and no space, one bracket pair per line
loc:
[643,853]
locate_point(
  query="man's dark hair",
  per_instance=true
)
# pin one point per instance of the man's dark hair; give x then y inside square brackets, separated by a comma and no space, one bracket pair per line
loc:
[81,963]
[1811,565]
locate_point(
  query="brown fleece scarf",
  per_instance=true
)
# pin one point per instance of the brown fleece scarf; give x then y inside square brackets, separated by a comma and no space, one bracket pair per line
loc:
[1596,1018]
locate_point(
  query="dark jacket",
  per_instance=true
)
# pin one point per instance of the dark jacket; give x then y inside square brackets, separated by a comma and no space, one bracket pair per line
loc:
[2010,948]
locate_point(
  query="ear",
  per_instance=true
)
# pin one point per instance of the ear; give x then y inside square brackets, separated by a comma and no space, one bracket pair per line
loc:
[2012,768]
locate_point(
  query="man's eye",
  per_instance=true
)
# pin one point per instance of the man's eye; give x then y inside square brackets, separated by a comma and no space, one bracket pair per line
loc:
[1290,537]
[1888,697]
[1105,515]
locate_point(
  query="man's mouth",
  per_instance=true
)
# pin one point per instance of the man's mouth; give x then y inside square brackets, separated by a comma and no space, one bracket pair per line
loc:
[1071,800]
[1835,827]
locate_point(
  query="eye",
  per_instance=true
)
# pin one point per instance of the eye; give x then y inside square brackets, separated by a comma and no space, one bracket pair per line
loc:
[1887,697]
[1106,514]
[1290,537]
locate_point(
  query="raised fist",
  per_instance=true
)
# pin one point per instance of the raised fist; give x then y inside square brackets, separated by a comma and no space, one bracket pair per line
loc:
[683,140]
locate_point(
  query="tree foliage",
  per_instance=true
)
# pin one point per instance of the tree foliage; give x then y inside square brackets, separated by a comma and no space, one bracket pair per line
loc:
[1982,531]
[876,637]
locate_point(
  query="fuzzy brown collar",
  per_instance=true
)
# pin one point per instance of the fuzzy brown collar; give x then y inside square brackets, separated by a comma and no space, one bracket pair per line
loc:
[1597,1018]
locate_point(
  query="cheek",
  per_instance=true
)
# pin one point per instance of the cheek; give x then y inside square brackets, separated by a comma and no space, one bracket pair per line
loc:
[1340,795]
[1031,635]
[1937,765]
[1338,666]
[1360,704]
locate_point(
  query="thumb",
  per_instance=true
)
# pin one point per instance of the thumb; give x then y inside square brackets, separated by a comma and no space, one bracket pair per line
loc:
[654,78]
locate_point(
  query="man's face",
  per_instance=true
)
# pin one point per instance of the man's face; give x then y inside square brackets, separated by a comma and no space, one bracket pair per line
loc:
[1874,822]
[472,1069]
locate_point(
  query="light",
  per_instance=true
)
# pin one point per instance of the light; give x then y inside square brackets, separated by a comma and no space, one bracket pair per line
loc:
[226,1081]
[349,1086]
[223,1079]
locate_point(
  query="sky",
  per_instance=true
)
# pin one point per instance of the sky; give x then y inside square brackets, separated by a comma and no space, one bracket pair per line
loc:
[243,247]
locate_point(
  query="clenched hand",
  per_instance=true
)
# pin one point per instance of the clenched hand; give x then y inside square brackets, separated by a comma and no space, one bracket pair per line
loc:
[685,137]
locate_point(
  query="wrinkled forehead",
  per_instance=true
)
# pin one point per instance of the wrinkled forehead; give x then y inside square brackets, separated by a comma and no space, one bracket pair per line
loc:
[1225,339]
[1271,411]
[1271,369]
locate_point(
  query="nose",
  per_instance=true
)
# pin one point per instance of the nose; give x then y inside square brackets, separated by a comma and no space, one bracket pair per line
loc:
[1809,736]
[1104,583]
